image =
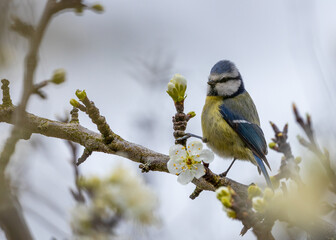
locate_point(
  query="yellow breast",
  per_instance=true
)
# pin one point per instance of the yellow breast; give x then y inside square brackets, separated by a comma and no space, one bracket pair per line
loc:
[222,139]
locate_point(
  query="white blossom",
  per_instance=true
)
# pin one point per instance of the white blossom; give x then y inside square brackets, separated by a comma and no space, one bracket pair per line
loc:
[187,163]
[122,195]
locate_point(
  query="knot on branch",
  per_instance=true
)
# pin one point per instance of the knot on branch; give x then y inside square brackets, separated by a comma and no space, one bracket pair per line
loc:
[179,125]
[74,115]
[145,167]
[6,99]
[213,179]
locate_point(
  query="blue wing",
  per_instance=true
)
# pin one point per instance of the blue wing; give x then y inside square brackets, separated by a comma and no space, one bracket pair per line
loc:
[250,133]
[252,136]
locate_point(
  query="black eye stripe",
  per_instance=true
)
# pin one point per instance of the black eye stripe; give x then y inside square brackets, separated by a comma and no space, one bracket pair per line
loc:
[226,79]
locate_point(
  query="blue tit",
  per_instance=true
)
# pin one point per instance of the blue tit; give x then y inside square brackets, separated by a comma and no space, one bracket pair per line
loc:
[230,121]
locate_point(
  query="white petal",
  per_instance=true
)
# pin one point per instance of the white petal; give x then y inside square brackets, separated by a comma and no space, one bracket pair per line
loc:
[206,156]
[175,166]
[171,86]
[185,177]
[177,151]
[199,170]
[195,148]
[179,79]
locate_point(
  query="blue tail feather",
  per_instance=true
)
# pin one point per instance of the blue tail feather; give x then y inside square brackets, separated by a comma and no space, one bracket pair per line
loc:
[263,170]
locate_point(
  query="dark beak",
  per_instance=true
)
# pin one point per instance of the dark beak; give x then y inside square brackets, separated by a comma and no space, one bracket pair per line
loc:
[212,83]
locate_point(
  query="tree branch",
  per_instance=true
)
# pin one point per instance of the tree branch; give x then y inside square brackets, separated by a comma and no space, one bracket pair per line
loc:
[19,131]
[94,142]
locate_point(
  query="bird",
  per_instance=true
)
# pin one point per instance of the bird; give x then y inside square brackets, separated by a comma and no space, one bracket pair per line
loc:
[230,121]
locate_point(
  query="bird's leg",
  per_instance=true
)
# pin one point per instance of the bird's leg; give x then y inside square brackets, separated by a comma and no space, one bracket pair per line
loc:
[189,135]
[226,172]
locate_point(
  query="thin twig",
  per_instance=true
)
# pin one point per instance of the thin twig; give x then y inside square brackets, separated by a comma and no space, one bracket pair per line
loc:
[19,120]
[288,168]
[313,146]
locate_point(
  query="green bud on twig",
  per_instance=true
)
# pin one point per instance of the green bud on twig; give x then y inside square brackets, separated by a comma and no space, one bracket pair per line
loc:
[224,194]
[231,214]
[259,204]
[298,160]
[253,191]
[272,145]
[97,7]
[89,183]
[58,76]
[177,88]
[74,102]
[81,94]
[191,114]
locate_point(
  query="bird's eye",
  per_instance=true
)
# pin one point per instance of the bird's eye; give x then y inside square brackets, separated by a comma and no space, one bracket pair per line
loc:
[224,79]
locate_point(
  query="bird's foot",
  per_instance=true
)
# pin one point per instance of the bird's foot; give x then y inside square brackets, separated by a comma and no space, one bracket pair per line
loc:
[223,174]
[226,172]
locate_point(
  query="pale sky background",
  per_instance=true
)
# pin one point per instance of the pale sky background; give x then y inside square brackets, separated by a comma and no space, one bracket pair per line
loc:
[285,51]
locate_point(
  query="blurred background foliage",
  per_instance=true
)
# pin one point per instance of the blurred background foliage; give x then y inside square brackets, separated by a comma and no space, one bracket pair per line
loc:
[124,58]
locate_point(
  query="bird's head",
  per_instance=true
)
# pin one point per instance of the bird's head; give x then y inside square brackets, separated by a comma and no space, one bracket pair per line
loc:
[225,80]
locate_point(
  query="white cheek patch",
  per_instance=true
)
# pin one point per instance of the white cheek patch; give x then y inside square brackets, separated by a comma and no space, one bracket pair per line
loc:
[228,88]
[208,89]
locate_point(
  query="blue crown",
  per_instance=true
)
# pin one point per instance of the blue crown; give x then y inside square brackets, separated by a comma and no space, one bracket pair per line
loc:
[223,66]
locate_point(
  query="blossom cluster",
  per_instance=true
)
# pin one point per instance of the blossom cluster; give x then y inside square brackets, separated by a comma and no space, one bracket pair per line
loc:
[120,196]
[224,195]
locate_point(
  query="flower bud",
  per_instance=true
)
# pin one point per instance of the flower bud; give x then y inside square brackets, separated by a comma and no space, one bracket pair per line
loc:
[81,94]
[191,114]
[226,201]
[180,80]
[90,183]
[177,87]
[58,76]
[223,192]
[97,7]
[272,145]
[298,160]
[231,214]
[253,191]
[74,103]
[258,204]
[275,182]
[171,87]
[268,194]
